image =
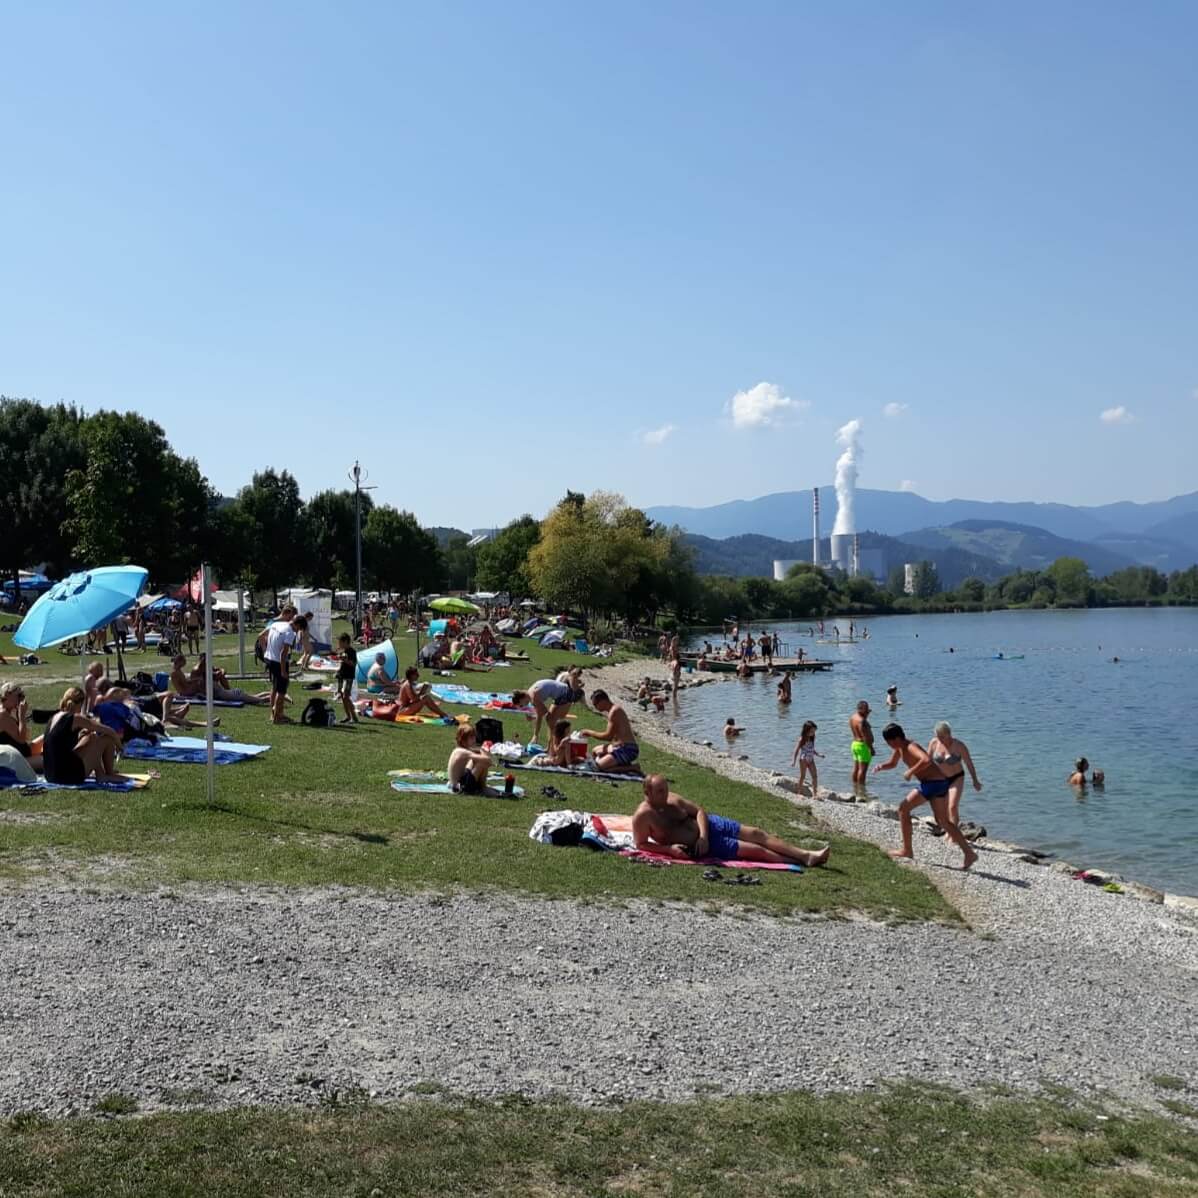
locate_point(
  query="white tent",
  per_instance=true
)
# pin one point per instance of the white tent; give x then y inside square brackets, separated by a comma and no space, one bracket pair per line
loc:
[224,601]
[320,604]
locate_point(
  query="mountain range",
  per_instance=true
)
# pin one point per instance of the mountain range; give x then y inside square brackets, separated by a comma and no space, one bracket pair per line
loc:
[962,536]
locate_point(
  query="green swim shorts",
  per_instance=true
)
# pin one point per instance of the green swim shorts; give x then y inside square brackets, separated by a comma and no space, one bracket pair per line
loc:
[862,753]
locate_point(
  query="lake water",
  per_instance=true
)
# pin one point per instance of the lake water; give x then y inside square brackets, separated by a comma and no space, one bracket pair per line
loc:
[1024,721]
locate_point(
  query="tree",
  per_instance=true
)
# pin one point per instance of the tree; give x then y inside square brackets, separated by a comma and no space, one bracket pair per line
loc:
[927,580]
[972,590]
[807,593]
[1070,577]
[502,562]
[1137,584]
[135,500]
[459,561]
[39,447]
[398,554]
[331,527]
[274,513]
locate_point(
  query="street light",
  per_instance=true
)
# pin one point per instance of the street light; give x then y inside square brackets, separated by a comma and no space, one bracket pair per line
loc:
[356,475]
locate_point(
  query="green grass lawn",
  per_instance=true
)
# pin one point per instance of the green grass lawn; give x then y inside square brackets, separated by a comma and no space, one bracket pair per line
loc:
[317,809]
[923,1141]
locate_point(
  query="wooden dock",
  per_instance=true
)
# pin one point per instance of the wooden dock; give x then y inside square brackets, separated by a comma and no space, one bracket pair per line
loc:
[788,665]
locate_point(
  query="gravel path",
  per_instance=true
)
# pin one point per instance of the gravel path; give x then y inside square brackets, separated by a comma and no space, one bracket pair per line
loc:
[256,995]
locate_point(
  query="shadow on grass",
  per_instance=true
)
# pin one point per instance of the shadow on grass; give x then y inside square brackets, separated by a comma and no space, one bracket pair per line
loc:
[362,837]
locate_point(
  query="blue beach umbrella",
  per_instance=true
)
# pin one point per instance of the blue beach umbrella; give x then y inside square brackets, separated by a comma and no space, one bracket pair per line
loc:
[79,603]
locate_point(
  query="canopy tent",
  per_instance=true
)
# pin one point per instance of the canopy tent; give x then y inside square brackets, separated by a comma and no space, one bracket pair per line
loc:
[366,660]
[553,639]
[320,604]
[225,601]
[31,580]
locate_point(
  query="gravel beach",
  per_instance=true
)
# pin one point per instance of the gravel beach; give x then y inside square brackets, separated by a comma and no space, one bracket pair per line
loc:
[242,995]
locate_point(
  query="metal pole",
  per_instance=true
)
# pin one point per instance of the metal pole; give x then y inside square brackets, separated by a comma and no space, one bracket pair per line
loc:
[204,582]
[241,631]
[358,531]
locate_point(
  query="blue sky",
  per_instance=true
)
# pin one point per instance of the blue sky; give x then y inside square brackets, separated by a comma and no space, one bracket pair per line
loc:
[496,251]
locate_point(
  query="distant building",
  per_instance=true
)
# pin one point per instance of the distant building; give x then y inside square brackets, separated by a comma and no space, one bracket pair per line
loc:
[782,567]
[909,569]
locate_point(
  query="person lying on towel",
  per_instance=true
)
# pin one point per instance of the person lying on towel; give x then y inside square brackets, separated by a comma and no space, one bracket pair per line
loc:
[669,824]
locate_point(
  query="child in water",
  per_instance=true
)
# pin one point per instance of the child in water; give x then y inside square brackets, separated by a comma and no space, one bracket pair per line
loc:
[805,755]
[731,731]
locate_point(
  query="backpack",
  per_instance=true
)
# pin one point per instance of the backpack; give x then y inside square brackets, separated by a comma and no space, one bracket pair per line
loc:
[318,714]
[488,729]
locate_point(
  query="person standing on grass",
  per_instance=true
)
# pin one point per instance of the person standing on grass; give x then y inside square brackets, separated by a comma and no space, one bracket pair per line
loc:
[932,788]
[347,671]
[863,743]
[191,625]
[281,639]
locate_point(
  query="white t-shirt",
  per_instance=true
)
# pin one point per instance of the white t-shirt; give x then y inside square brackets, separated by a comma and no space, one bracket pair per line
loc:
[278,635]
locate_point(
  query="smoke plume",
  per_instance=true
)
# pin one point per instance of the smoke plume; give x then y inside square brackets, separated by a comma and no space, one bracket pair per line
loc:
[848,436]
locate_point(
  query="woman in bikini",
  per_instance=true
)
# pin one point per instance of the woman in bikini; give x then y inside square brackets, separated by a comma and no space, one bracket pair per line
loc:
[414,699]
[952,756]
[15,725]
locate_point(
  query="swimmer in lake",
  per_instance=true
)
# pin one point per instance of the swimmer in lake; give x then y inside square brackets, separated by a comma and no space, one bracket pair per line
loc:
[731,731]
[1078,777]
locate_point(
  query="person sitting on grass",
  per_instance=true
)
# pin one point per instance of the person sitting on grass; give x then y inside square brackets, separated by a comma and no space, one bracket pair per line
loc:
[15,728]
[558,752]
[435,655]
[91,685]
[77,747]
[378,681]
[414,699]
[617,750]
[469,765]
[933,788]
[551,699]
[669,824]
[189,684]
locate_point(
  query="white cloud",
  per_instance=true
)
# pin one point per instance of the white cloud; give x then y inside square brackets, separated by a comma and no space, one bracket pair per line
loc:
[894,410]
[655,436]
[908,484]
[762,405]
[1119,415]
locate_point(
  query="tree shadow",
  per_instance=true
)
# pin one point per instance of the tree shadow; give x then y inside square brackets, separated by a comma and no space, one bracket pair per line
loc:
[361,837]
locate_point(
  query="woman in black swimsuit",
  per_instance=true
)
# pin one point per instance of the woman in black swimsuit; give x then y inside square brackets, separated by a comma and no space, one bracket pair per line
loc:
[952,756]
[14,725]
[76,746]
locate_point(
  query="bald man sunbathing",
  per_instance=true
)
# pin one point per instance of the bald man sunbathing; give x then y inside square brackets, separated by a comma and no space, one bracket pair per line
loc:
[667,823]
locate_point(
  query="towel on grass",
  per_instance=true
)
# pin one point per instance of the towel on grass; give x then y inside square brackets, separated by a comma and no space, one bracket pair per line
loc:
[586,770]
[436,782]
[9,780]
[449,692]
[718,862]
[191,750]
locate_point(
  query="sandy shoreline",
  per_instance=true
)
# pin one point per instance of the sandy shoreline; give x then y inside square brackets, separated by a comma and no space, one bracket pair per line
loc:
[872,821]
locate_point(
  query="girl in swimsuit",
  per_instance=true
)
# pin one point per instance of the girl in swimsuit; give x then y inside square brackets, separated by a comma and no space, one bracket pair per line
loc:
[952,756]
[14,725]
[805,755]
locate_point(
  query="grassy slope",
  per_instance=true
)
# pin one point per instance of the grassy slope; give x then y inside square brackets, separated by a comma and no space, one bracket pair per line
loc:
[928,1142]
[317,809]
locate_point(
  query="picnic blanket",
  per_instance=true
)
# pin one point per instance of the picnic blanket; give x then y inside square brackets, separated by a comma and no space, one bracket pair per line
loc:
[583,770]
[9,780]
[436,782]
[449,692]
[191,750]
[387,712]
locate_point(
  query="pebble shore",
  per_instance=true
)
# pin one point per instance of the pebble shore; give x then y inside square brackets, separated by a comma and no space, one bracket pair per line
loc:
[222,996]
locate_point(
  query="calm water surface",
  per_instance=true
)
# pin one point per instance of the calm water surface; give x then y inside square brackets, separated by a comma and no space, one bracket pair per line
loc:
[1024,721]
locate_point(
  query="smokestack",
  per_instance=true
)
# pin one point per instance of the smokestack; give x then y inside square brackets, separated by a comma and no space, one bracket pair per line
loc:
[815,526]
[849,437]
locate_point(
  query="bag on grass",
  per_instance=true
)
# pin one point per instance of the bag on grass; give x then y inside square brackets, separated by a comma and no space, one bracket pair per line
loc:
[318,714]
[489,729]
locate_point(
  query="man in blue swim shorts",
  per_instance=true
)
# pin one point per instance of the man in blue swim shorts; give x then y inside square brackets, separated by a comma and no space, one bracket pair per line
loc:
[667,823]
[617,749]
[932,787]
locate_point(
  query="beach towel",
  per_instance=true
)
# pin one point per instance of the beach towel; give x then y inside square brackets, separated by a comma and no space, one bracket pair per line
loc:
[191,750]
[324,665]
[436,782]
[586,770]
[9,780]
[449,692]
[719,862]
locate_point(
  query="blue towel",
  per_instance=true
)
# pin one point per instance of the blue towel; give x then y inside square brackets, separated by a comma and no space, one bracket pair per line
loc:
[449,693]
[191,750]
[9,780]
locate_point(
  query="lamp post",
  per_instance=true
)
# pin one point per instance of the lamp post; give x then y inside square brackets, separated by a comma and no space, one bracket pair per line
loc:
[357,474]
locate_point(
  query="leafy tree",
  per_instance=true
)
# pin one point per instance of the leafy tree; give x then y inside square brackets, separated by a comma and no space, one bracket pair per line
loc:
[274,514]
[135,499]
[331,527]
[459,561]
[927,580]
[1070,577]
[39,447]
[972,590]
[502,562]
[807,593]
[1183,585]
[1136,584]
[399,555]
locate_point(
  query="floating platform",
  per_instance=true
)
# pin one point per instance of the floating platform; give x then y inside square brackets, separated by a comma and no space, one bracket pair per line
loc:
[787,665]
